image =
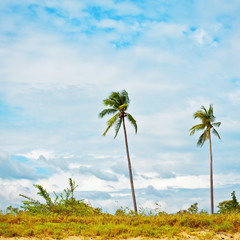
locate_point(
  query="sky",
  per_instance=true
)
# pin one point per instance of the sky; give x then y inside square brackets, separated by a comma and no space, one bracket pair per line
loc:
[60,59]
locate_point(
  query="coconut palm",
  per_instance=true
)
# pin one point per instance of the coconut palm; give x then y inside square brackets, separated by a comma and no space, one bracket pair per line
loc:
[118,103]
[208,124]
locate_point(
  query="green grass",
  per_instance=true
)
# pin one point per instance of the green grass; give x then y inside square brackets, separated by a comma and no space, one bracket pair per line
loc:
[108,226]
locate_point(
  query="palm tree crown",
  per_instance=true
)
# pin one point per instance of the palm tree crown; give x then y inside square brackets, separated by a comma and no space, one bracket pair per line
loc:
[118,103]
[208,123]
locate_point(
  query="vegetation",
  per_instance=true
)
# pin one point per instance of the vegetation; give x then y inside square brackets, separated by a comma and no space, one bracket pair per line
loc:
[63,204]
[106,226]
[65,216]
[229,206]
[208,123]
[118,103]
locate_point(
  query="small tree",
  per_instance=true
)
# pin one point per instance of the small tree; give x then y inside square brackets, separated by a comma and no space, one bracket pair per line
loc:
[229,205]
[193,208]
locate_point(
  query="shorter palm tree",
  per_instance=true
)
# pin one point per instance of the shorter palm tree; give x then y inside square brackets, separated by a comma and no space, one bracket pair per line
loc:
[208,124]
[118,103]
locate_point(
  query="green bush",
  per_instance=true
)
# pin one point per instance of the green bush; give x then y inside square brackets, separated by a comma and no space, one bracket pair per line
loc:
[65,204]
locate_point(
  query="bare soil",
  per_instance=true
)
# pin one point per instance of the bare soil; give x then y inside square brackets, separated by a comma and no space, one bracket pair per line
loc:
[203,235]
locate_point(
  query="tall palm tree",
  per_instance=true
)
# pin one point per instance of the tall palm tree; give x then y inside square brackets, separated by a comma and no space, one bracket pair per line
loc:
[118,103]
[208,124]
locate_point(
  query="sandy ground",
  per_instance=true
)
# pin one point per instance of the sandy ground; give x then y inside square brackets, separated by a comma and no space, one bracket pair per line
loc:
[198,235]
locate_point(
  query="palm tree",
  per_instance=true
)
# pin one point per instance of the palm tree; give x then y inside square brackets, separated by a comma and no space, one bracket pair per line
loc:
[118,103]
[208,124]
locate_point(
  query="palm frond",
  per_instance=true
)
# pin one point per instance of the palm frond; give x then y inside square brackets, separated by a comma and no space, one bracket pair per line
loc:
[110,122]
[132,121]
[204,109]
[106,111]
[124,96]
[214,131]
[210,113]
[123,107]
[196,128]
[118,101]
[202,139]
[207,118]
[216,124]
[115,96]
[210,109]
[118,126]
[110,102]
[201,115]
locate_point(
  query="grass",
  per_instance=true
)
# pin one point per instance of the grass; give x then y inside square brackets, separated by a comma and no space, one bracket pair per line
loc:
[108,226]
[65,216]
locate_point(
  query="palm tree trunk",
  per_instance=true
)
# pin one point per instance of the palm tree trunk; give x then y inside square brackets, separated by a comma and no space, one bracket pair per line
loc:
[129,168]
[211,173]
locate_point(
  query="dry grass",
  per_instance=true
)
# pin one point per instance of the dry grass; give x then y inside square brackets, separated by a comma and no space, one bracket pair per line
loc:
[106,226]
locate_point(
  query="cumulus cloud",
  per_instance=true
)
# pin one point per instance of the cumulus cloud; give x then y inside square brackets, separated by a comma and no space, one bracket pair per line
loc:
[13,169]
[104,175]
[10,190]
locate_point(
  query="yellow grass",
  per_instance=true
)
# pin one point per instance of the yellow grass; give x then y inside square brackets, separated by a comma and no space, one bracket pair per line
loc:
[106,226]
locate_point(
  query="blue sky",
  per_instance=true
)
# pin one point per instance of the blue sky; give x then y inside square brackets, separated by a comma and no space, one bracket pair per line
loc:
[60,59]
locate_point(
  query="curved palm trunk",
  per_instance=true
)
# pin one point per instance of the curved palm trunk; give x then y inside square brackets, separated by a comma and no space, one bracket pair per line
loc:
[129,168]
[211,174]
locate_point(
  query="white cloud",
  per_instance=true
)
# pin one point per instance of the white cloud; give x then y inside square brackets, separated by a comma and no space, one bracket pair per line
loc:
[36,154]
[10,190]
[235,97]
[14,169]
[202,37]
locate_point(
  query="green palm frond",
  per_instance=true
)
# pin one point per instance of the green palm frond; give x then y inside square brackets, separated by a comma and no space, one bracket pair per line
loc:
[207,122]
[202,139]
[201,115]
[217,124]
[204,109]
[118,101]
[132,121]
[210,110]
[110,102]
[106,111]
[117,127]
[110,122]
[210,113]
[214,131]
[124,96]
[115,96]
[123,107]
[196,128]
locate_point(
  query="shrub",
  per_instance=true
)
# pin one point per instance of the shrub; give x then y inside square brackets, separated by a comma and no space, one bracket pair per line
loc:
[62,204]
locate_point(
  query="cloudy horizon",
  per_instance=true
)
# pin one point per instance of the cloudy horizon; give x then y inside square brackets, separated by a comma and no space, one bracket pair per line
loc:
[60,59]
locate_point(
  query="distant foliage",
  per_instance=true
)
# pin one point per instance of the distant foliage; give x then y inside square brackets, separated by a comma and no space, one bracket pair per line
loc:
[65,216]
[229,206]
[193,209]
[64,203]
